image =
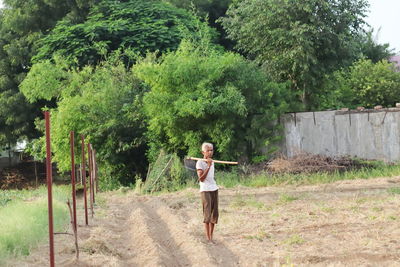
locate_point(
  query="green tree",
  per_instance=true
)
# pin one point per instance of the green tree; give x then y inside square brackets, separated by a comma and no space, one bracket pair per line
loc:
[371,49]
[22,23]
[213,9]
[363,84]
[136,25]
[104,104]
[200,93]
[299,41]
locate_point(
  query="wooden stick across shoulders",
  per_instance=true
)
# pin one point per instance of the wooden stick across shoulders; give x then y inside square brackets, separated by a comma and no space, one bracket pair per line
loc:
[215,161]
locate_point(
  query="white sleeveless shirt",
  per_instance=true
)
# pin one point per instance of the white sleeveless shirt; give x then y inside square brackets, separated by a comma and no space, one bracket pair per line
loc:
[209,183]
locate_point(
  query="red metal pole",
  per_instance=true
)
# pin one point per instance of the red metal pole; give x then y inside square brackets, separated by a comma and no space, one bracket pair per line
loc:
[93,173]
[49,187]
[84,178]
[72,143]
[96,171]
[90,176]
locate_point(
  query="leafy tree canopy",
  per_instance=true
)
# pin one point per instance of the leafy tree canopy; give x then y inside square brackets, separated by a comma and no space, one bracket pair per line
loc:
[299,41]
[201,94]
[364,84]
[104,104]
[371,49]
[136,25]
[22,23]
[213,9]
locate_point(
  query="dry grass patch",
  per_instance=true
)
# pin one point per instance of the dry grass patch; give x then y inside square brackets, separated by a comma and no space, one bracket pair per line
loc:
[260,236]
[286,198]
[240,201]
[294,240]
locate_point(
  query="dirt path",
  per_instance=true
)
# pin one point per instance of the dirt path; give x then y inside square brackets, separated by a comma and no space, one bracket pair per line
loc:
[348,223]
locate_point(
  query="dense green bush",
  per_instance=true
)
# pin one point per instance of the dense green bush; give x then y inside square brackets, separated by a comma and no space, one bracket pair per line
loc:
[363,84]
[200,93]
[104,104]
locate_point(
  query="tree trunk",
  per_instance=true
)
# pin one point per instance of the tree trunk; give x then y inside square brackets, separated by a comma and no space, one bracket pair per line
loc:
[36,175]
[9,154]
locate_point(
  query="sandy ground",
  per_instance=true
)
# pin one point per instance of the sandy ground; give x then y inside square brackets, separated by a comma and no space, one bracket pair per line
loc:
[347,223]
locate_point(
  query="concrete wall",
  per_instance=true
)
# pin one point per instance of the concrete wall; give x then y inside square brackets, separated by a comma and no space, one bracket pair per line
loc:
[369,134]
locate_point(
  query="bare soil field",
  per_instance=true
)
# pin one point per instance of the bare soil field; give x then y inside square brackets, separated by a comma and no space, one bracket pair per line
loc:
[347,223]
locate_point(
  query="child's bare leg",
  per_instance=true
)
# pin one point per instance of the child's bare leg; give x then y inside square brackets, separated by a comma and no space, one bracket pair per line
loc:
[211,230]
[207,229]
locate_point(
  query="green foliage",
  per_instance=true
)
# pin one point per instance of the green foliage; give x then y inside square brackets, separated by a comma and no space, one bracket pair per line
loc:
[136,25]
[166,174]
[16,115]
[36,148]
[199,93]
[60,193]
[371,49]
[299,41]
[259,159]
[363,84]
[212,9]
[109,178]
[228,179]
[23,225]
[22,23]
[27,17]
[44,81]
[104,104]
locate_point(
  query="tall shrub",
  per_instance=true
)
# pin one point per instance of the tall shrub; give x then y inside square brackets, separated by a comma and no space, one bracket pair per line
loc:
[104,104]
[200,93]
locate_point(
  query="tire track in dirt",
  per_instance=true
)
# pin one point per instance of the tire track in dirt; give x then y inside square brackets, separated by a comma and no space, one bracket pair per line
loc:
[172,242]
[219,251]
[110,240]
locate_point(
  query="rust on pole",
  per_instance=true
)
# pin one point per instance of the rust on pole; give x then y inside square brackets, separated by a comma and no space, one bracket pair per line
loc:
[75,232]
[90,176]
[72,143]
[49,187]
[90,170]
[84,178]
[93,173]
[96,177]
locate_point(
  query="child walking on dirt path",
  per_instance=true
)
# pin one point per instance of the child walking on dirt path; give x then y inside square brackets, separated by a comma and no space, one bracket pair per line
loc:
[208,190]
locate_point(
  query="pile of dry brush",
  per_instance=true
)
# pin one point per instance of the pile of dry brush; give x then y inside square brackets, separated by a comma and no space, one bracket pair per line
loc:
[22,175]
[11,179]
[308,163]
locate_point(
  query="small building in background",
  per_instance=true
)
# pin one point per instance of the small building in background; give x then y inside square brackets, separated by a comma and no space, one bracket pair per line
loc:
[11,156]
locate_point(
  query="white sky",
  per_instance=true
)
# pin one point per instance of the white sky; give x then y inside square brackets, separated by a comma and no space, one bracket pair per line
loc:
[383,15]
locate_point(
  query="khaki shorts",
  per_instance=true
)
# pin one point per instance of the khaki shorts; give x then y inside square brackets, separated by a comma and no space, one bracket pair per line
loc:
[210,206]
